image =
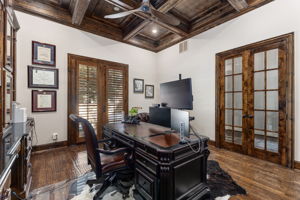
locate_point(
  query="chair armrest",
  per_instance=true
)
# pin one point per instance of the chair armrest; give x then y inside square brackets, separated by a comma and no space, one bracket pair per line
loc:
[104,140]
[116,151]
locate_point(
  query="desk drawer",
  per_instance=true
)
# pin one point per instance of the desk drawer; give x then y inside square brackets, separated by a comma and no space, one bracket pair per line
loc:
[124,140]
[146,163]
[145,183]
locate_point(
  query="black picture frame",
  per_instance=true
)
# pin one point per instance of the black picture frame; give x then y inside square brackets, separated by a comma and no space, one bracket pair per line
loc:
[147,94]
[35,53]
[32,70]
[35,99]
[138,85]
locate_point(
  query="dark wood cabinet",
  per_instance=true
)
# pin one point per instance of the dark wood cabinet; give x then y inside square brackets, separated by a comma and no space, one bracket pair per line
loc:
[8,32]
[15,149]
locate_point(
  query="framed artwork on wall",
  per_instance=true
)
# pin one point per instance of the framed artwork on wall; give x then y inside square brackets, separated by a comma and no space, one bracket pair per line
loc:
[42,77]
[149,91]
[138,85]
[43,101]
[43,54]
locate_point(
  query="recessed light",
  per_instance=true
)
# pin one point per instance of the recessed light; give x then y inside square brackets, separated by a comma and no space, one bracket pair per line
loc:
[154,31]
[117,9]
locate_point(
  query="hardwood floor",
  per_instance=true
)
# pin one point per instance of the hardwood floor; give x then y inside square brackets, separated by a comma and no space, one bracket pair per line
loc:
[261,179]
[53,166]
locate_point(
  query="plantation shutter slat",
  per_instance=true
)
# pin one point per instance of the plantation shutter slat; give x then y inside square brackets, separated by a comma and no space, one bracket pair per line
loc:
[97,91]
[87,94]
[115,81]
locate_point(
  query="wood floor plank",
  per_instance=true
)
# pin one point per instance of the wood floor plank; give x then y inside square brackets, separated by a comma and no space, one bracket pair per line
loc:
[262,180]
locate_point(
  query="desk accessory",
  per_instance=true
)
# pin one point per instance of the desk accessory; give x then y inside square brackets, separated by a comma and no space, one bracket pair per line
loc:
[131,120]
[182,133]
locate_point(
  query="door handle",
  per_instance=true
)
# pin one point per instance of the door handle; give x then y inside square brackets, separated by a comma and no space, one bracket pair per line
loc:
[248,116]
[103,108]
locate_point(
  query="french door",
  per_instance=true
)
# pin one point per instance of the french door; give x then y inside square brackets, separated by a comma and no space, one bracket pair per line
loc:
[98,92]
[255,100]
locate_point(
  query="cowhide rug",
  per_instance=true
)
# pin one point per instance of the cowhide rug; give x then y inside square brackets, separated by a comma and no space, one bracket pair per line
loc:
[221,184]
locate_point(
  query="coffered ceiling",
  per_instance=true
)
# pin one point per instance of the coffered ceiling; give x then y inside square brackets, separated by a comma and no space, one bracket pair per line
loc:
[140,29]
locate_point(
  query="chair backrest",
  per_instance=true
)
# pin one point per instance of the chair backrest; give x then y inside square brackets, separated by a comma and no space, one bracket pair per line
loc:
[91,143]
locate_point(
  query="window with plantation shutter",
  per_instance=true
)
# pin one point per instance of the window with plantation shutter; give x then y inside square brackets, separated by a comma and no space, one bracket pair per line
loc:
[87,94]
[115,79]
[98,92]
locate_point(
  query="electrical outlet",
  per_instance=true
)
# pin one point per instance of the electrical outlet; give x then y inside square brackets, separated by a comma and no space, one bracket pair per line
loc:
[54,136]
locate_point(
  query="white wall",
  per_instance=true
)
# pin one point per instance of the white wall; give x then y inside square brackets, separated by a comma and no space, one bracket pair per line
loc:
[277,18]
[142,64]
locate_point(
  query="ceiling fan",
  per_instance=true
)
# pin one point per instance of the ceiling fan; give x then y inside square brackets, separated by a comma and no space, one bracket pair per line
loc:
[146,7]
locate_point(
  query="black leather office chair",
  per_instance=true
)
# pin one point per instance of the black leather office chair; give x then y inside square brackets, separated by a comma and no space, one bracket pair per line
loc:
[112,167]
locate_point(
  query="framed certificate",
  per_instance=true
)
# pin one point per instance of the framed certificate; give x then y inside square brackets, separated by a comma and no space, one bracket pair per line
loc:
[42,77]
[43,54]
[43,101]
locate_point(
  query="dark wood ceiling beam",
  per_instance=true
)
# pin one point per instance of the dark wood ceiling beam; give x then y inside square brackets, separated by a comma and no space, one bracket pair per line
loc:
[164,8]
[72,6]
[168,41]
[62,16]
[239,5]
[79,11]
[211,15]
[64,3]
[92,6]
[146,16]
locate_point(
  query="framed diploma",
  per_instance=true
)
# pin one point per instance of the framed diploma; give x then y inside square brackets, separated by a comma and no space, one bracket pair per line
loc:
[42,77]
[43,54]
[43,101]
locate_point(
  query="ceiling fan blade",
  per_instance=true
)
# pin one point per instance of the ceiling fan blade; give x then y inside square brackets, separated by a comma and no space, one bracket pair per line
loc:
[121,14]
[165,18]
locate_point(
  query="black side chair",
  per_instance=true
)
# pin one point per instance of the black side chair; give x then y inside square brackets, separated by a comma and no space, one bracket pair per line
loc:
[111,167]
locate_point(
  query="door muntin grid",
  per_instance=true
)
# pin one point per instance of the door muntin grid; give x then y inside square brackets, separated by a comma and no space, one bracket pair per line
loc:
[234,100]
[266,100]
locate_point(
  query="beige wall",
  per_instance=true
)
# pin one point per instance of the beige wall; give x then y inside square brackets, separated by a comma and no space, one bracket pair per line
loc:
[142,64]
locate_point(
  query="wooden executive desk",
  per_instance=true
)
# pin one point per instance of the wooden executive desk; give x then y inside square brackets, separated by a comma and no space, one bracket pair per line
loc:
[164,169]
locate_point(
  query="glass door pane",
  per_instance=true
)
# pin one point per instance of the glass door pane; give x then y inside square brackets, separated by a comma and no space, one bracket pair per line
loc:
[234,100]
[266,101]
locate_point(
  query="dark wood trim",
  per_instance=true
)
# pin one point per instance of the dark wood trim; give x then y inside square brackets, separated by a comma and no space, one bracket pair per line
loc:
[212,143]
[296,165]
[49,146]
[103,66]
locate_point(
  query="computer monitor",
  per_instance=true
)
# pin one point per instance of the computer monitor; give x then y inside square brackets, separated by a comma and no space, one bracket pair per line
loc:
[177,94]
[178,117]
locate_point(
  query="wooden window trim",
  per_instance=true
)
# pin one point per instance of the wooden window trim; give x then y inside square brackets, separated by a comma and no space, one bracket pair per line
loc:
[102,65]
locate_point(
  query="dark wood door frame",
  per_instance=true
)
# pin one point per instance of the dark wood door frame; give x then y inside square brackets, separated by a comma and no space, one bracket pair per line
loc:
[103,65]
[287,154]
